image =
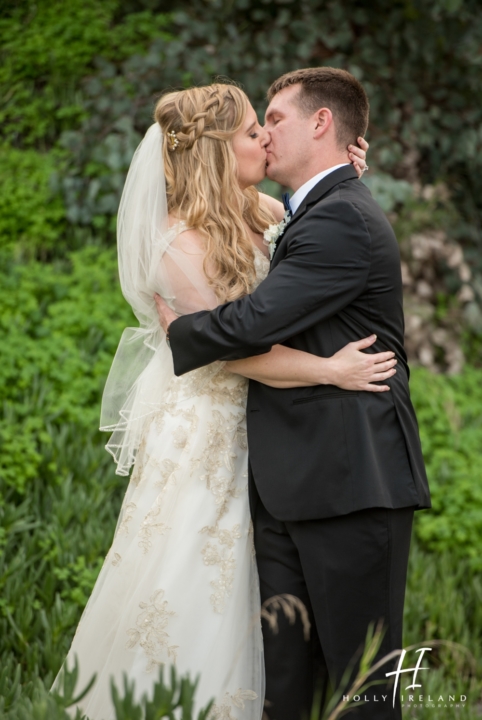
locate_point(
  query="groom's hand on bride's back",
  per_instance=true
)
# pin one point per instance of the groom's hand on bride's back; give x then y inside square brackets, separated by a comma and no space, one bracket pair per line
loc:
[166,315]
[353,369]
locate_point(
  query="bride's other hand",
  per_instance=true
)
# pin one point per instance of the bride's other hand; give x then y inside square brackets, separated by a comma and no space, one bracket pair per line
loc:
[358,154]
[352,369]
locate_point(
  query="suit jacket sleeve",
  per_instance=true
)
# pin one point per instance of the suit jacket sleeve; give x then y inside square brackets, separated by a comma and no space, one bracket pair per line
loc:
[325,268]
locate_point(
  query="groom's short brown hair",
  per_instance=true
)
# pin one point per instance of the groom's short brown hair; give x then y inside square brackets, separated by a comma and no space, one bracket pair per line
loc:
[335,89]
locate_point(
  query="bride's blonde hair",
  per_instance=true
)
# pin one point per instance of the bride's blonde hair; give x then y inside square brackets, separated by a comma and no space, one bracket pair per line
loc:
[201,180]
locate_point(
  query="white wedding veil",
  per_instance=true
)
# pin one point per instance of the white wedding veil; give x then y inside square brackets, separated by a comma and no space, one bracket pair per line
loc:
[152,258]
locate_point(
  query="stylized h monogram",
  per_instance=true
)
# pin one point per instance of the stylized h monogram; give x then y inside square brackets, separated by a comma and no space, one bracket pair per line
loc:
[415,670]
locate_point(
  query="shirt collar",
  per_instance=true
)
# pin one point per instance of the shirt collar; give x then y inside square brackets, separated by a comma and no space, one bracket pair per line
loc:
[303,191]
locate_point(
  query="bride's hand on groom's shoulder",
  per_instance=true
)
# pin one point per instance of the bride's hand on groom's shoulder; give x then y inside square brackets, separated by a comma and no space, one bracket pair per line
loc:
[352,369]
[358,154]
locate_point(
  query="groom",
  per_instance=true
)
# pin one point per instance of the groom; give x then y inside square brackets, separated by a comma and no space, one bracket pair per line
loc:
[335,475]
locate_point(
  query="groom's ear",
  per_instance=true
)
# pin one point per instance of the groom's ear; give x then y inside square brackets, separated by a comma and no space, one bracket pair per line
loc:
[323,121]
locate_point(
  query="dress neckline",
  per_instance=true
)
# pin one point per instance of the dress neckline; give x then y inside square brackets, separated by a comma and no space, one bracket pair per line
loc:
[260,252]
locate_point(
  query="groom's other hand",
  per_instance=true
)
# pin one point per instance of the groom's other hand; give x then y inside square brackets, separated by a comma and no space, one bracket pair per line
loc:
[166,315]
[353,369]
[358,155]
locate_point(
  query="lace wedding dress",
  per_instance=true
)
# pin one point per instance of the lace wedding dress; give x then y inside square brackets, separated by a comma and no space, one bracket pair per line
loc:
[179,584]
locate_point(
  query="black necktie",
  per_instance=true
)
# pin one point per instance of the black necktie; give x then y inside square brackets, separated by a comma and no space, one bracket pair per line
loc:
[286,203]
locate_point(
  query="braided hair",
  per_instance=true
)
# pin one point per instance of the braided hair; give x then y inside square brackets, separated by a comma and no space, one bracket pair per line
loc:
[198,125]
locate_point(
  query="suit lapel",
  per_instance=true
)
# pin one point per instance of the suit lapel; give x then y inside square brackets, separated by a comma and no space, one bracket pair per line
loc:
[316,194]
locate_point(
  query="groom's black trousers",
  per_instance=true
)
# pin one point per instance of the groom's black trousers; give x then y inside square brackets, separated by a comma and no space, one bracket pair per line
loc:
[349,571]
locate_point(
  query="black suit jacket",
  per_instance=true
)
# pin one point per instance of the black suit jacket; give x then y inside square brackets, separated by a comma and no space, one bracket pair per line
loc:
[335,277]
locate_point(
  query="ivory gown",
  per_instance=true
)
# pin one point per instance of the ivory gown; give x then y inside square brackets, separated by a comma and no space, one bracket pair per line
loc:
[179,584]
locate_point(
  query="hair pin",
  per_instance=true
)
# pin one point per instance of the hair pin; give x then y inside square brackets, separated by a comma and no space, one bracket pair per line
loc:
[173,139]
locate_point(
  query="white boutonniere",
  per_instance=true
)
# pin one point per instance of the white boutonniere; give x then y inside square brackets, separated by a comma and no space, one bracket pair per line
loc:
[274,232]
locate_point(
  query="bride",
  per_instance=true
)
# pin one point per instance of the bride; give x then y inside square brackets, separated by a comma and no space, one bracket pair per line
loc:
[179,584]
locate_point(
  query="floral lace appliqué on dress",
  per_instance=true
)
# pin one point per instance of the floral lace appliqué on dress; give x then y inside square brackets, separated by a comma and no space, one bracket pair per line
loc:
[184,527]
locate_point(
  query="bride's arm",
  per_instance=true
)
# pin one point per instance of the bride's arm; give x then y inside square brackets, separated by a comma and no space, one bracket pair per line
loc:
[349,368]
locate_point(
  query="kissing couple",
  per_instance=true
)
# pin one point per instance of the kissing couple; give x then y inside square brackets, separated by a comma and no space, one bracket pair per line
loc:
[274,445]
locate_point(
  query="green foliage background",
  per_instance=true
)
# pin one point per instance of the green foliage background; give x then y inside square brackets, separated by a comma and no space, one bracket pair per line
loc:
[77,86]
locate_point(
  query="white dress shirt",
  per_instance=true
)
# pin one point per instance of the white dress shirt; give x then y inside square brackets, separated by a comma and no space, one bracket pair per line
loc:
[303,191]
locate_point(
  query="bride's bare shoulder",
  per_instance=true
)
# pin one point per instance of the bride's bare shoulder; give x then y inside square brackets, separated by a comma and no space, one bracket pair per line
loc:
[272,204]
[189,240]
